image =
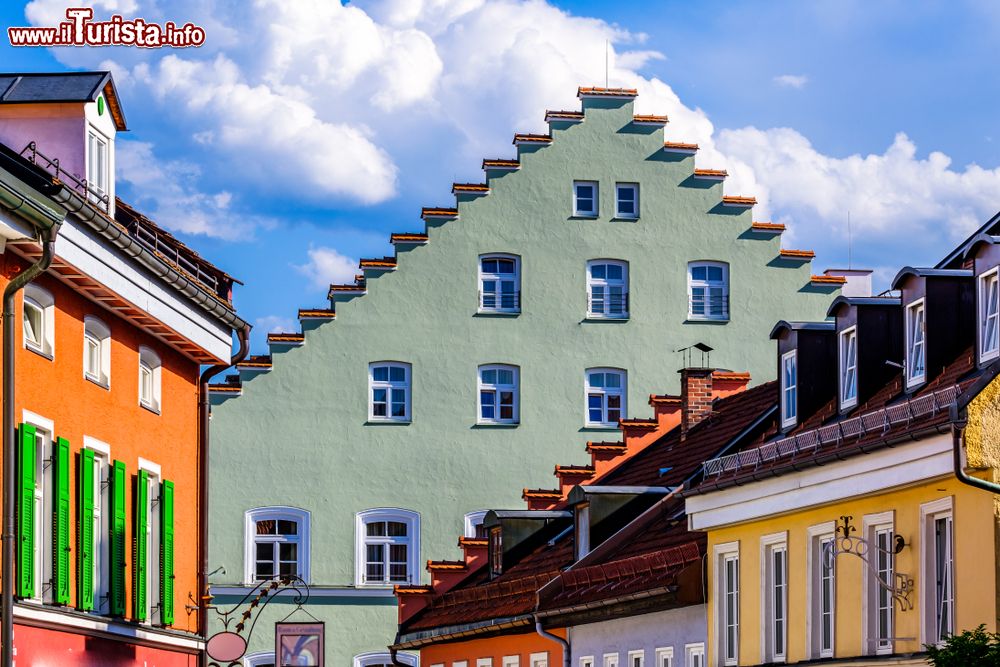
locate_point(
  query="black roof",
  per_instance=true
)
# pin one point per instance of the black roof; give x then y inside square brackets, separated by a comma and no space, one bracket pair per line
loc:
[41,87]
[802,326]
[929,273]
[991,226]
[861,301]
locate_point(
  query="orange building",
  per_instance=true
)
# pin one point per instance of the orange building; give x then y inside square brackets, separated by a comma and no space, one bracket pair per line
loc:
[109,341]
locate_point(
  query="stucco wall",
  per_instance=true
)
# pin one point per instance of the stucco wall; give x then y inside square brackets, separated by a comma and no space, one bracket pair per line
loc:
[298,435]
[663,629]
[982,444]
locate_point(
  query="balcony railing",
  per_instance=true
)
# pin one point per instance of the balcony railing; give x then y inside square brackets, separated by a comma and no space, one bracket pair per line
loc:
[712,308]
[51,165]
[612,307]
[500,302]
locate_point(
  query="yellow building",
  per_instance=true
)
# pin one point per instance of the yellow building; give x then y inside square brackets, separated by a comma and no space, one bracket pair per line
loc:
[850,535]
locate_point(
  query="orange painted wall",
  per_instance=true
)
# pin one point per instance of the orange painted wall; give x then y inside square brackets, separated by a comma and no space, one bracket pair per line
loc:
[496,648]
[57,390]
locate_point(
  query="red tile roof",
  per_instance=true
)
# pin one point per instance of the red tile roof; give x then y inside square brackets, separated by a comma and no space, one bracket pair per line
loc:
[828,280]
[664,399]
[606,92]
[501,164]
[474,188]
[256,361]
[767,227]
[384,263]
[316,314]
[438,212]
[735,200]
[563,115]
[711,173]
[286,338]
[408,237]
[679,146]
[797,254]
[541,493]
[532,139]
[650,120]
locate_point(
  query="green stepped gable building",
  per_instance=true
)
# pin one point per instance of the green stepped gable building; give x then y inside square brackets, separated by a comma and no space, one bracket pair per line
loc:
[528,319]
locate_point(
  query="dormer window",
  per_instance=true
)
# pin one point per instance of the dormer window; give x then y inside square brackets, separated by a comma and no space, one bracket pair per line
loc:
[98,172]
[915,345]
[496,552]
[989,307]
[581,530]
[849,368]
[789,389]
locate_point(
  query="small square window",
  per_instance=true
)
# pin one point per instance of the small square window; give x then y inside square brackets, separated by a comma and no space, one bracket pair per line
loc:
[585,198]
[627,200]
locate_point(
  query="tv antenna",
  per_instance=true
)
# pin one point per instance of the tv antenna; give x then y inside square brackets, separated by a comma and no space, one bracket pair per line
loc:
[688,352]
[607,60]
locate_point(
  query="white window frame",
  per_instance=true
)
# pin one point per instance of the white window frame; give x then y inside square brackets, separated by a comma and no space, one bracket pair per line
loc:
[636,654]
[609,660]
[789,417]
[693,651]
[843,349]
[586,661]
[577,211]
[539,659]
[44,493]
[605,285]
[361,540]
[98,175]
[498,306]
[472,521]
[511,661]
[154,476]
[484,662]
[774,591]
[42,300]
[930,512]
[665,656]
[913,378]
[710,314]
[258,659]
[634,187]
[988,309]
[621,391]
[872,524]
[97,333]
[102,501]
[496,388]
[460,663]
[817,535]
[721,555]
[276,512]
[384,658]
[389,386]
[150,362]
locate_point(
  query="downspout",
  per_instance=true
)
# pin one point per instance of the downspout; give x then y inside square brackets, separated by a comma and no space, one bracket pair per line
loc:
[48,238]
[567,658]
[243,335]
[959,420]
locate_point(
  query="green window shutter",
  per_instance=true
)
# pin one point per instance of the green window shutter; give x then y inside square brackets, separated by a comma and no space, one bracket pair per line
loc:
[117,534]
[26,512]
[167,553]
[85,532]
[140,546]
[60,511]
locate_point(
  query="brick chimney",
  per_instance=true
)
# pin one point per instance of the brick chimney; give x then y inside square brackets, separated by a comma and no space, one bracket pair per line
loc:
[696,396]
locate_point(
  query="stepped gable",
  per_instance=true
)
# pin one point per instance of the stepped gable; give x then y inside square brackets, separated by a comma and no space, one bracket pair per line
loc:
[888,416]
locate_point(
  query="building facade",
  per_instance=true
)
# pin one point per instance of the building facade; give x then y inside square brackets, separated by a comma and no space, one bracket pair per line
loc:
[528,318]
[107,355]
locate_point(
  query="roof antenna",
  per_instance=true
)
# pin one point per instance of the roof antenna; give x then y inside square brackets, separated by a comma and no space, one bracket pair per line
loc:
[849,240]
[607,49]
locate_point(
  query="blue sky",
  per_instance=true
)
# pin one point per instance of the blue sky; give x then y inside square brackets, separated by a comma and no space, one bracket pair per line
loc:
[301,134]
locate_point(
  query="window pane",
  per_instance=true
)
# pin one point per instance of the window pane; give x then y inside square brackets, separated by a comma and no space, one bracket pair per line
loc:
[266,527]
[489,266]
[505,377]
[597,380]
[505,266]
[614,272]
[265,551]
[487,409]
[380,373]
[584,191]
[376,529]
[614,380]
[698,273]
[397,374]
[288,551]
[397,529]
[286,527]
[265,570]
[598,271]
[490,376]
[714,273]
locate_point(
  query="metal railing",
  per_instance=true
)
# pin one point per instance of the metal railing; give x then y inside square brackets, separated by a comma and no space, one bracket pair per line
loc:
[51,165]
[500,302]
[876,421]
[709,308]
[608,306]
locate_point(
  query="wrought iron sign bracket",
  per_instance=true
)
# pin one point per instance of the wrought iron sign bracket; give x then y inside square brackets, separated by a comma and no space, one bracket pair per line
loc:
[901,586]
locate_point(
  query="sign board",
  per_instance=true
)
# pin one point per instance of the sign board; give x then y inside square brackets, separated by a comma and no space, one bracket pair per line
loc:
[299,644]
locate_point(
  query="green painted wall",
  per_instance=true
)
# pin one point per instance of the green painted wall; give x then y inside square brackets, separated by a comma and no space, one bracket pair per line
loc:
[298,434]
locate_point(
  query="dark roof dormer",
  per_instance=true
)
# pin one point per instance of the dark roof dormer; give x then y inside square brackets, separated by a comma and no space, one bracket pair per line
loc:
[601,511]
[869,346]
[938,320]
[807,365]
[981,255]
[513,534]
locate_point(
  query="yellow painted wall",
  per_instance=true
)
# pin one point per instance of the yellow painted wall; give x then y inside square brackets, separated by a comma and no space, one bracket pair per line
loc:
[975,568]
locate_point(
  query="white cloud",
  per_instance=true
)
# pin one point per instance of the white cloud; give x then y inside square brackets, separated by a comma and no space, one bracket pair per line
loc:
[797,81]
[274,324]
[327,266]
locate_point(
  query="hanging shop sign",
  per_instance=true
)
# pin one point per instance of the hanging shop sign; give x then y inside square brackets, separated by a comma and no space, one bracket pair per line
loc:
[299,644]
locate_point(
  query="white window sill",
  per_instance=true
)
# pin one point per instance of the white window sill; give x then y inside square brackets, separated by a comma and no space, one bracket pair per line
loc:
[375,421]
[790,423]
[585,216]
[625,218]
[497,424]
[603,426]
[709,319]
[146,406]
[848,406]
[103,384]
[596,317]
[988,356]
[40,352]
[498,313]
[915,381]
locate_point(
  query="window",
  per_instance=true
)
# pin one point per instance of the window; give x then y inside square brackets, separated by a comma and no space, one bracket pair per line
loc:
[665,656]
[389,391]
[41,510]
[39,320]
[915,347]
[539,659]
[774,552]
[605,396]
[96,351]
[636,658]
[99,526]
[498,394]
[97,166]
[499,284]
[849,368]
[380,659]
[388,546]
[587,661]
[607,289]
[277,543]
[496,551]
[989,307]
[627,200]
[149,379]
[474,524]
[150,473]
[610,660]
[789,389]
[511,661]
[879,622]
[694,655]
[585,198]
[822,591]
[484,662]
[708,291]
[265,659]
[938,600]
[581,527]
[727,602]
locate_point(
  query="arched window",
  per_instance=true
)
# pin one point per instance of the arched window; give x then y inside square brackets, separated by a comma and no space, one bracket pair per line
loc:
[498,394]
[499,284]
[264,659]
[607,289]
[384,660]
[474,524]
[39,320]
[96,351]
[149,379]
[277,543]
[388,547]
[389,391]
[708,291]
[606,390]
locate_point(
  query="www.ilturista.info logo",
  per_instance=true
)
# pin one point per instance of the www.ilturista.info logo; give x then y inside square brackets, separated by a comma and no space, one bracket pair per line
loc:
[80,30]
